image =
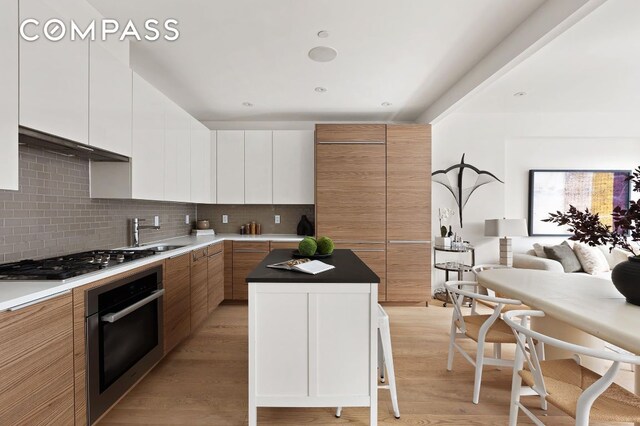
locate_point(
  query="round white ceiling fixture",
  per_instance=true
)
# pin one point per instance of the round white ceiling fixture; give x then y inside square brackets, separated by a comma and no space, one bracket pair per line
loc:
[386,104]
[519,94]
[247,104]
[323,54]
[320,89]
[323,34]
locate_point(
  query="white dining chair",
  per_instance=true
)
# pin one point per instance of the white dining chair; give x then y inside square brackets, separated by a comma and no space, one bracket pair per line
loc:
[385,360]
[574,389]
[486,328]
[483,290]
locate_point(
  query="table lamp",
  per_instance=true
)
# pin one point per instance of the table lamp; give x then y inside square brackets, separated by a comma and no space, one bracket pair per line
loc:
[505,228]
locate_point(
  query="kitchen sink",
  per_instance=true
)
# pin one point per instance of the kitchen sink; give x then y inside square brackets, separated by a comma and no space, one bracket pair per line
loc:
[162,249]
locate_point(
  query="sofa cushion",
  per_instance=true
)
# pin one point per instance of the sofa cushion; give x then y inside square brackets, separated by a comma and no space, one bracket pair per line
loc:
[618,255]
[592,259]
[539,250]
[564,254]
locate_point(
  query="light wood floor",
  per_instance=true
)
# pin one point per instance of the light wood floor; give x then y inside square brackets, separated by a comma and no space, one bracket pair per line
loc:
[204,381]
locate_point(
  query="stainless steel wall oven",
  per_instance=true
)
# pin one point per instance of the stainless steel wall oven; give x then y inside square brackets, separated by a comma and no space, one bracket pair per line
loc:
[124,336]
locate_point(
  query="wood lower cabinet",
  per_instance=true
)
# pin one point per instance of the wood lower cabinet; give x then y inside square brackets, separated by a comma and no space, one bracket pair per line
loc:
[374,256]
[228,269]
[290,245]
[199,286]
[215,276]
[246,256]
[350,192]
[177,300]
[36,364]
[408,272]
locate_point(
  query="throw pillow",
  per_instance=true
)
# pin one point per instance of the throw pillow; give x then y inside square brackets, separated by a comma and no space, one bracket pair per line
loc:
[539,250]
[592,259]
[564,254]
[619,255]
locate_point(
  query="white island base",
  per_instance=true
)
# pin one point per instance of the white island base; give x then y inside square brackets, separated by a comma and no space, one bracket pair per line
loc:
[312,345]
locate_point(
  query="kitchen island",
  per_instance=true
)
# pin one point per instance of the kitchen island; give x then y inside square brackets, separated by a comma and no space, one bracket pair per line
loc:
[313,338]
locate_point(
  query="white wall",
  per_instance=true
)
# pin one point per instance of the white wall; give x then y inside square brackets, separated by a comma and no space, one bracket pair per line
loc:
[508,145]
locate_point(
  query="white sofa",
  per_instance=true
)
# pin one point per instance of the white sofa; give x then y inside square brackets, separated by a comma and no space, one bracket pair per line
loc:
[530,260]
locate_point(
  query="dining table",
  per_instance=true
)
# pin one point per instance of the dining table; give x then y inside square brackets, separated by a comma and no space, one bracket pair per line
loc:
[575,305]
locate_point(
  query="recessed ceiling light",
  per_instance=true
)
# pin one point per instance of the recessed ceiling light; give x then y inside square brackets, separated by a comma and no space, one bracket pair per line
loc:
[323,34]
[386,104]
[519,94]
[247,104]
[323,54]
[320,89]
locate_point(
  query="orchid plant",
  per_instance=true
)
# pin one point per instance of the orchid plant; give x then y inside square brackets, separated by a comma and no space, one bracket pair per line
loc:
[443,216]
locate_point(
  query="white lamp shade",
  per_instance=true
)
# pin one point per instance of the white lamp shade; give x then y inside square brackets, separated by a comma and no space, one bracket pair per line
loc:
[505,228]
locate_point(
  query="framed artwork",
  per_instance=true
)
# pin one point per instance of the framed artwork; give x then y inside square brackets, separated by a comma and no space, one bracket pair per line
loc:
[555,190]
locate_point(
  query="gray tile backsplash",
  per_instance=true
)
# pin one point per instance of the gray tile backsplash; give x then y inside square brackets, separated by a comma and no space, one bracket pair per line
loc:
[51,214]
[263,214]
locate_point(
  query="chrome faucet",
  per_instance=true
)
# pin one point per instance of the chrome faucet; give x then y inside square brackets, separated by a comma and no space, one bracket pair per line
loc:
[135,230]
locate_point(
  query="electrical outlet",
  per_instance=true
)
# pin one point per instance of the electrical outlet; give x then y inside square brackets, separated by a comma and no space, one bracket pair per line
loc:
[277,217]
[186,219]
[225,218]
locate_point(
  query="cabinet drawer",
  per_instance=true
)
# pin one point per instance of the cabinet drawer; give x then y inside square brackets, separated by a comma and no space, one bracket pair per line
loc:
[408,272]
[293,245]
[251,246]
[350,133]
[215,248]
[243,264]
[199,253]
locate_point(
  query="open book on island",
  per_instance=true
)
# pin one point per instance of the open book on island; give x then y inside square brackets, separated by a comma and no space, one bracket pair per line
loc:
[307,266]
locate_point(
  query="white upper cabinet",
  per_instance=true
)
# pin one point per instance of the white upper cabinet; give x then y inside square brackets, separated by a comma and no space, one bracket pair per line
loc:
[293,167]
[230,167]
[258,167]
[147,163]
[54,79]
[200,163]
[9,95]
[109,102]
[177,153]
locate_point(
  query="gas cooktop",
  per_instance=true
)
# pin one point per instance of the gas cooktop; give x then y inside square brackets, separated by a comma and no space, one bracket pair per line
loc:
[72,265]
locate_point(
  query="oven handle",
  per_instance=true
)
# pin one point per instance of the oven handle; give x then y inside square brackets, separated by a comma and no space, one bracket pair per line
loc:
[126,311]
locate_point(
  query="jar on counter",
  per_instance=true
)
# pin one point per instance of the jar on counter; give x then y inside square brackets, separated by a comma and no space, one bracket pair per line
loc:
[243,230]
[258,229]
[253,228]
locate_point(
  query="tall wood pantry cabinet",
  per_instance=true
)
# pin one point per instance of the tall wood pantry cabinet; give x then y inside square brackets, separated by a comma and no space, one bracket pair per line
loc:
[373,196]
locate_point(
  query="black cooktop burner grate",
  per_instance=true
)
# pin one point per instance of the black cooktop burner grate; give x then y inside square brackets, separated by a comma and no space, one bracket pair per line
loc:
[72,265]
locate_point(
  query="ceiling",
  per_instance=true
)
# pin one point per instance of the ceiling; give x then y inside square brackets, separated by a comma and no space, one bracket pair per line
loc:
[593,67]
[405,52]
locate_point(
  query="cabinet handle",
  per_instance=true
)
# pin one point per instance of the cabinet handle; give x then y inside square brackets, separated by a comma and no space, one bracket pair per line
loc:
[33,302]
[115,316]
[249,251]
[368,250]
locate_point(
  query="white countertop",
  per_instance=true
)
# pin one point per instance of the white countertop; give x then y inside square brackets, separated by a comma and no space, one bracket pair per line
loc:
[588,303]
[14,293]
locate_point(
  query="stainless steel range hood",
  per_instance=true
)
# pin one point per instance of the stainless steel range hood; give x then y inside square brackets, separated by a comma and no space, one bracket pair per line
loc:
[66,147]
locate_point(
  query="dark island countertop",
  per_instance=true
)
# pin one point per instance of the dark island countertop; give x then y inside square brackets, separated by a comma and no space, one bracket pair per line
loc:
[348,269]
